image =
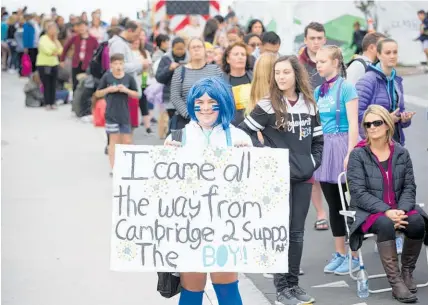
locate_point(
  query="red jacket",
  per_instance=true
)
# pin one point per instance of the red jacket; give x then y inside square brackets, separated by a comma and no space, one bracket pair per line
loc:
[91,46]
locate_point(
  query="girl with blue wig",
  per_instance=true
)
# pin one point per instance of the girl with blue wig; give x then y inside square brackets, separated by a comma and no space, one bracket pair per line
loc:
[211,109]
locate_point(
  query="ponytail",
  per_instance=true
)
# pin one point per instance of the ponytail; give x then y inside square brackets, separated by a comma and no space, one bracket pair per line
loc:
[342,69]
[336,53]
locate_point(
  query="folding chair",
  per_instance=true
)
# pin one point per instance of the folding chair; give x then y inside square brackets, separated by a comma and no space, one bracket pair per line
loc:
[351,214]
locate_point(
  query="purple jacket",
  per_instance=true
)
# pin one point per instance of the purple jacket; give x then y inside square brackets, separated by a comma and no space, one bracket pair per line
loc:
[372,88]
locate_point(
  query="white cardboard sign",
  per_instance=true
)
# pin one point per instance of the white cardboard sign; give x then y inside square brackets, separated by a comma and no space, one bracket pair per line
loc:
[207,210]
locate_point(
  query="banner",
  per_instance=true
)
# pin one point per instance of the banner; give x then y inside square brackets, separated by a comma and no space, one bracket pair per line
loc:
[207,210]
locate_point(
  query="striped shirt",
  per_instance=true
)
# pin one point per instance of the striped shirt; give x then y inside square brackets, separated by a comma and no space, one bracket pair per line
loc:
[180,88]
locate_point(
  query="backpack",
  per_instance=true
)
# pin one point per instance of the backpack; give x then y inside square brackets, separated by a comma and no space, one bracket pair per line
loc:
[96,66]
[359,60]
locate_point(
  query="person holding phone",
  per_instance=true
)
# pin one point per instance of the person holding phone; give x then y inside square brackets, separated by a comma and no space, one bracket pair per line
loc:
[382,86]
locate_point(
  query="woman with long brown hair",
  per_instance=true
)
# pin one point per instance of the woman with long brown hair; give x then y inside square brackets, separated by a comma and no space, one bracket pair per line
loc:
[288,118]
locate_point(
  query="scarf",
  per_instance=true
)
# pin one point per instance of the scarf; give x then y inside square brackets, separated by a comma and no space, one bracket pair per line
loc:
[326,85]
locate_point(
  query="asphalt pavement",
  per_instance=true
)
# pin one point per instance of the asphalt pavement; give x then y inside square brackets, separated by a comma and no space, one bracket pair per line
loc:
[56,215]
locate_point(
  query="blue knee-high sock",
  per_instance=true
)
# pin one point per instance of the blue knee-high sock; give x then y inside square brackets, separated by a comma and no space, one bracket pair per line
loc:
[228,294]
[190,297]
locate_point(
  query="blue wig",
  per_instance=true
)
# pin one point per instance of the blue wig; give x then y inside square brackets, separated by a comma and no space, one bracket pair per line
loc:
[218,90]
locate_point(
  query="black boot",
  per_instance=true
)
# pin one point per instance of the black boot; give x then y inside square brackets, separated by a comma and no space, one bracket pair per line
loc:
[409,257]
[388,256]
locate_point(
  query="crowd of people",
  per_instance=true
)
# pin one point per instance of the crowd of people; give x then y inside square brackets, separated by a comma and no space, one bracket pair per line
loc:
[226,85]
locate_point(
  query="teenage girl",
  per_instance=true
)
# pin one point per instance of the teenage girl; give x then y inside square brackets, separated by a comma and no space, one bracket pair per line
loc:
[337,101]
[211,110]
[288,118]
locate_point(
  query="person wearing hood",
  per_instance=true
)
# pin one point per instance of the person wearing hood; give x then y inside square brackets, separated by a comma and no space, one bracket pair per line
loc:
[121,44]
[237,73]
[167,65]
[383,196]
[289,119]
[314,39]
[382,86]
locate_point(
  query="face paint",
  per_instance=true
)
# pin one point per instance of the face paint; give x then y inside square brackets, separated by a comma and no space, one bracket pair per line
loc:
[214,108]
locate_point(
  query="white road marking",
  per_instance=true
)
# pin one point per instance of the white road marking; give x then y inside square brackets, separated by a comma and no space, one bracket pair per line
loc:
[360,304]
[339,284]
[414,100]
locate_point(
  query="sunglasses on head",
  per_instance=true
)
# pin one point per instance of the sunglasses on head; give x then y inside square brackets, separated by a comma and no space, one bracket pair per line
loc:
[376,123]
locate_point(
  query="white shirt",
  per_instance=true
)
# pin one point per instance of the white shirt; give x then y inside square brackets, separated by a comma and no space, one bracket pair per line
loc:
[195,136]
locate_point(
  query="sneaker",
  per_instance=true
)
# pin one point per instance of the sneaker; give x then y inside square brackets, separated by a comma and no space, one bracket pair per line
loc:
[334,263]
[399,244]
[270,275]
[286,297]
[153,120]
[301,295]
[344,268]
[149,130]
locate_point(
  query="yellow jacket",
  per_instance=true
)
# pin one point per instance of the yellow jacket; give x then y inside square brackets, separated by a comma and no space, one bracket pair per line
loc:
[47,48]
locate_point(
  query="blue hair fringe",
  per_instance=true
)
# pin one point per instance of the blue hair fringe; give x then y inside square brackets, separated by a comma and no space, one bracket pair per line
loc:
[218,90]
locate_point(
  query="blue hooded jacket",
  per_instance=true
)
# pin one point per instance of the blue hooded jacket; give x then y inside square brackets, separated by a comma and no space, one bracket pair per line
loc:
[376,88]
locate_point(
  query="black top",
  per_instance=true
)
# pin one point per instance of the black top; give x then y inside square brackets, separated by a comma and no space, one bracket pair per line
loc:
[117,110]
[242,80]
[384,164]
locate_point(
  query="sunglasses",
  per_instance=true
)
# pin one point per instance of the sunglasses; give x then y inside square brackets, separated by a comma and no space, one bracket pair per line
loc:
[376,123]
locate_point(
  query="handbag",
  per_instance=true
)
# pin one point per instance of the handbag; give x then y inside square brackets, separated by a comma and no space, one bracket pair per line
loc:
[26,65]
[168,284]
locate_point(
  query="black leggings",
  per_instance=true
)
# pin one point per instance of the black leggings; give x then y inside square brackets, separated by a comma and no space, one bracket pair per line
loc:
[384,228]
[332,195]
[48,76]
[300,197]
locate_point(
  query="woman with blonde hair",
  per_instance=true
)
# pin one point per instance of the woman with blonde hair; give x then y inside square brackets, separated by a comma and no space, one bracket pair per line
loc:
[383,195]
[260,83]
[261,79]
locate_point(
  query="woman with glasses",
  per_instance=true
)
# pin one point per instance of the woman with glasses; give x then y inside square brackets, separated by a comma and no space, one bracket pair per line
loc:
[185,76]
[383,192]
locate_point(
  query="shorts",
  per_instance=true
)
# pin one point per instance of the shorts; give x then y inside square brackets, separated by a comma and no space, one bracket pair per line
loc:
[424,44]
[112,128]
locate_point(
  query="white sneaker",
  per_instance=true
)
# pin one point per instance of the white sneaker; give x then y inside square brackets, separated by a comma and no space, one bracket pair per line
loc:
[268,275]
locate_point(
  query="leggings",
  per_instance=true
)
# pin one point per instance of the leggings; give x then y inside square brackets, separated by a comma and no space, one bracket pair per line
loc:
[48,76]
[300,197]
[384,228]
[332,196]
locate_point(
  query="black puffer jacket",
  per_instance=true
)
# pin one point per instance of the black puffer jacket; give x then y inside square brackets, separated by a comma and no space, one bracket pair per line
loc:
[366,187]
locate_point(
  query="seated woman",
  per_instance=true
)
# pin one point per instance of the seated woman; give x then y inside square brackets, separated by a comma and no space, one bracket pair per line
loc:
[383,192]
[211,109]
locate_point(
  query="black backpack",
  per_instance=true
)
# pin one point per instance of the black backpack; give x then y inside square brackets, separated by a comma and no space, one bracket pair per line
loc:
[359,60]
[95,66]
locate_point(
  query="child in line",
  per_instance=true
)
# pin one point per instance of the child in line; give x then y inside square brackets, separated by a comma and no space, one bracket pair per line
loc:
[116,86]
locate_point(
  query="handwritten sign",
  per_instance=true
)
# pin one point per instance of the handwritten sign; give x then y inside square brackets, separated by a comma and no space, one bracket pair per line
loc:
[206,210]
